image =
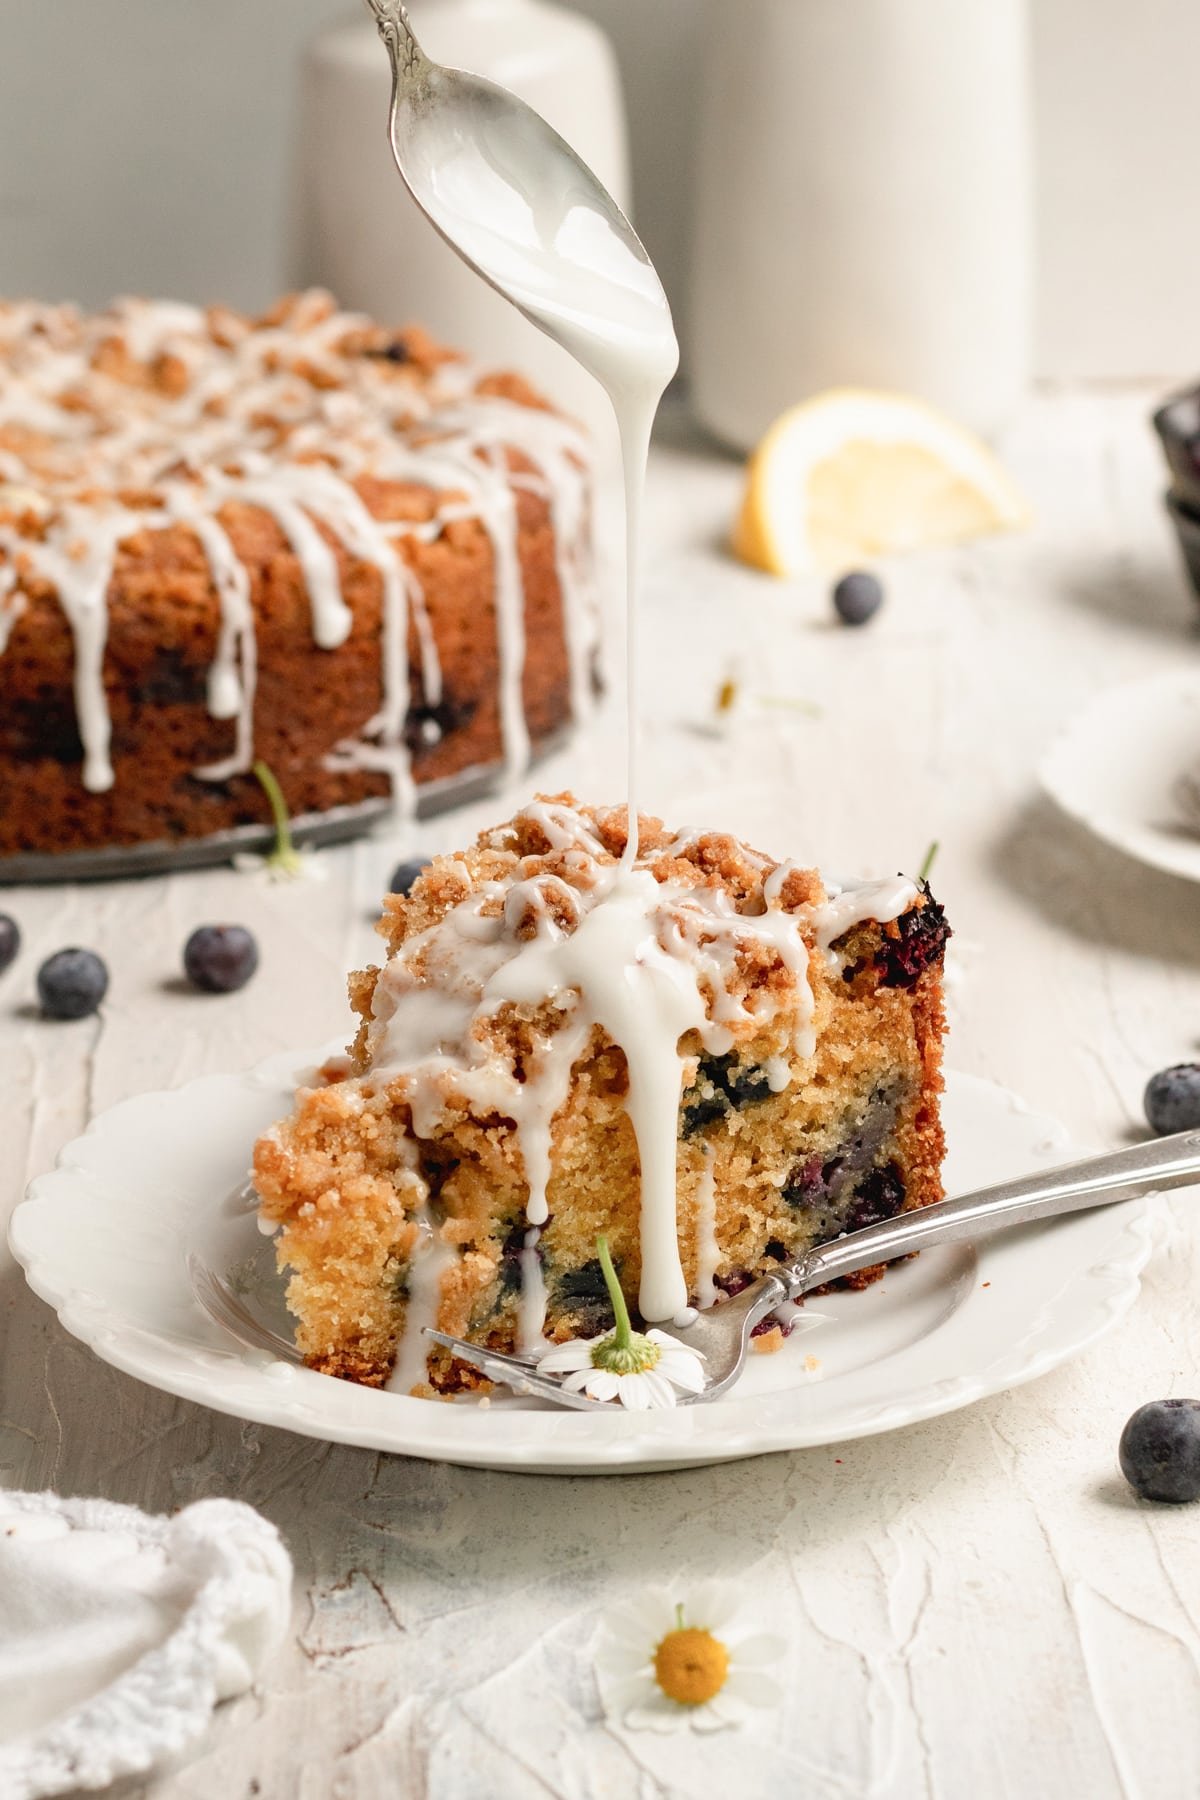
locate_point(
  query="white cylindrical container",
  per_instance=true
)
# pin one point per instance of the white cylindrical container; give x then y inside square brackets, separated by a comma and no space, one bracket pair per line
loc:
[358,232]
[864,207]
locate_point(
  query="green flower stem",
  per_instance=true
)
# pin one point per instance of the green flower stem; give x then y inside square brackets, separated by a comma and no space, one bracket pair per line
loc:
[285,855]
[622,1337]
[624,1351]
[930,859]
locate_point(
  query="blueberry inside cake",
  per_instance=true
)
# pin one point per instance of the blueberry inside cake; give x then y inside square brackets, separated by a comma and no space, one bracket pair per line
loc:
[712,1058]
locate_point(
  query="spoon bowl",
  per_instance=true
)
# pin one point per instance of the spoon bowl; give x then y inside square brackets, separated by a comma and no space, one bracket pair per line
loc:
[520,207]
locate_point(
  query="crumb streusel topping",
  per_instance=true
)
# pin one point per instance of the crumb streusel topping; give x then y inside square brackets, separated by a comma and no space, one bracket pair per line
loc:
[157,414]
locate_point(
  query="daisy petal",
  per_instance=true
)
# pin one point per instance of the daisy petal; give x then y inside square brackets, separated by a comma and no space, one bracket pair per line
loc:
[652,1612]
[658,1389]
[712,1604]
[622,1693]
[722,1710]
[632,1637]
[752,1688]
[620,1658]
[602,1384]
[671,1346]
[577,1355]
[683,1372]
[632,1392]
[659,1714]
[757,1652]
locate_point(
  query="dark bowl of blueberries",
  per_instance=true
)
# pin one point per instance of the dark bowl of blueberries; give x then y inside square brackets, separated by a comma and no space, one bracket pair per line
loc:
[1177,423]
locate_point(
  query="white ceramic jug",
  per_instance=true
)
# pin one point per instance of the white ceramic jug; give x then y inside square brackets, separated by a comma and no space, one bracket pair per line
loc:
[359,234]
[864,207]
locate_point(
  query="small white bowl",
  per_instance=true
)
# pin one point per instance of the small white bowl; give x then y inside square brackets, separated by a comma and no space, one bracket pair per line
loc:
[1128,767]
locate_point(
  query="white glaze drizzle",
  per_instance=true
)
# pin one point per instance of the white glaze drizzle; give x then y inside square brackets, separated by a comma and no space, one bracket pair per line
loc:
[597,946]
[428,1262]
[498,515]
[195,412]
[80,565]
[531,1308]
[854,903]
[234,673]
[778,1073]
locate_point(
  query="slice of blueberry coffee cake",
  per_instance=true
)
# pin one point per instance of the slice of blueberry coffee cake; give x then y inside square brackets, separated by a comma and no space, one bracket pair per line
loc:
[714,1059]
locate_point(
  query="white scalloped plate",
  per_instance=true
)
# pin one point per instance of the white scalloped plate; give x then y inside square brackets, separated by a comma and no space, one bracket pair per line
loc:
[1128,767]
[107,1237]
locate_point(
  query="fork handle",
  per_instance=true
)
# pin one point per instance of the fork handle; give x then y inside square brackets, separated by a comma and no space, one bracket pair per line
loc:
[1168,1162]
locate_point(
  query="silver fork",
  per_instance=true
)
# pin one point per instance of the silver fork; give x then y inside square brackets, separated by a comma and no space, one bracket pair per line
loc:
[722,1334]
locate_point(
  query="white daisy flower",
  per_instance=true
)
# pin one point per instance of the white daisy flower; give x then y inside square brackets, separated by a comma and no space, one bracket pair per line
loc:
[641,1369]
[591,1364]
[666,1663]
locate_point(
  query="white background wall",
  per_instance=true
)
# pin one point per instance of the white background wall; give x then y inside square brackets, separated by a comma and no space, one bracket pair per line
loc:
[144,145]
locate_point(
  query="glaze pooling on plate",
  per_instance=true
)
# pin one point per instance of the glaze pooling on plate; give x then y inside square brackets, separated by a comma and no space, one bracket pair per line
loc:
[155,413]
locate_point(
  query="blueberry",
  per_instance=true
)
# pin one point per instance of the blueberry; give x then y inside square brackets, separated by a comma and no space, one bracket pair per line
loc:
[1160,1451]
[397,352]
[880,1196]
[10,941]
[71,984]
[732,1086]
[806,1185]
[582,1294]
[922,935]
[857,597]
[220,958]
[1172,1099]
[405,874]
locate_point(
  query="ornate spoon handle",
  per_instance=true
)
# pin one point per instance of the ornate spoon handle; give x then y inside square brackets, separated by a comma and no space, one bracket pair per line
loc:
[391,18]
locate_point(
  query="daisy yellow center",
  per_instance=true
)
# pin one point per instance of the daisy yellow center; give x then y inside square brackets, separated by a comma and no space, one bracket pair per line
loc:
[691,1666]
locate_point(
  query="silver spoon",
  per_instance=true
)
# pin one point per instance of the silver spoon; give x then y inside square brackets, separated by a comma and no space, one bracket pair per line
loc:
[722,1333]
[513,199]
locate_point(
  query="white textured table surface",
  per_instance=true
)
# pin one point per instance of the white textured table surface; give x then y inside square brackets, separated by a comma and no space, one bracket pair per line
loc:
[974,1607]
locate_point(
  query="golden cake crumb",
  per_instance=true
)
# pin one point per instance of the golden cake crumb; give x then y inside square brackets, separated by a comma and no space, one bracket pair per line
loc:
[784,1139]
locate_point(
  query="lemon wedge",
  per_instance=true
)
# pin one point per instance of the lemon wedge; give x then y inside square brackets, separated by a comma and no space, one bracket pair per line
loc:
[852,475]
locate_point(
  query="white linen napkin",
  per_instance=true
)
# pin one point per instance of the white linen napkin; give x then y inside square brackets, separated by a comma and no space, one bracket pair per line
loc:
[119,1632]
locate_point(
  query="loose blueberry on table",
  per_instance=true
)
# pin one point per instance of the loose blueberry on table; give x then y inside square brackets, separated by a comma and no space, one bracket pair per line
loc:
[857,597]
[219,959]
[1160,1451]
[1172,1099]
[10,941]
[71,984]
[405,874]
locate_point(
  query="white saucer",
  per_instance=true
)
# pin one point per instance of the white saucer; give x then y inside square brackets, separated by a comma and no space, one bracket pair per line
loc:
[149,1201]
[1128,767]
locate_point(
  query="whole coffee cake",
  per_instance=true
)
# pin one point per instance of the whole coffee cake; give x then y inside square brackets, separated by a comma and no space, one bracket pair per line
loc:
[301,538]
[712,1058]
